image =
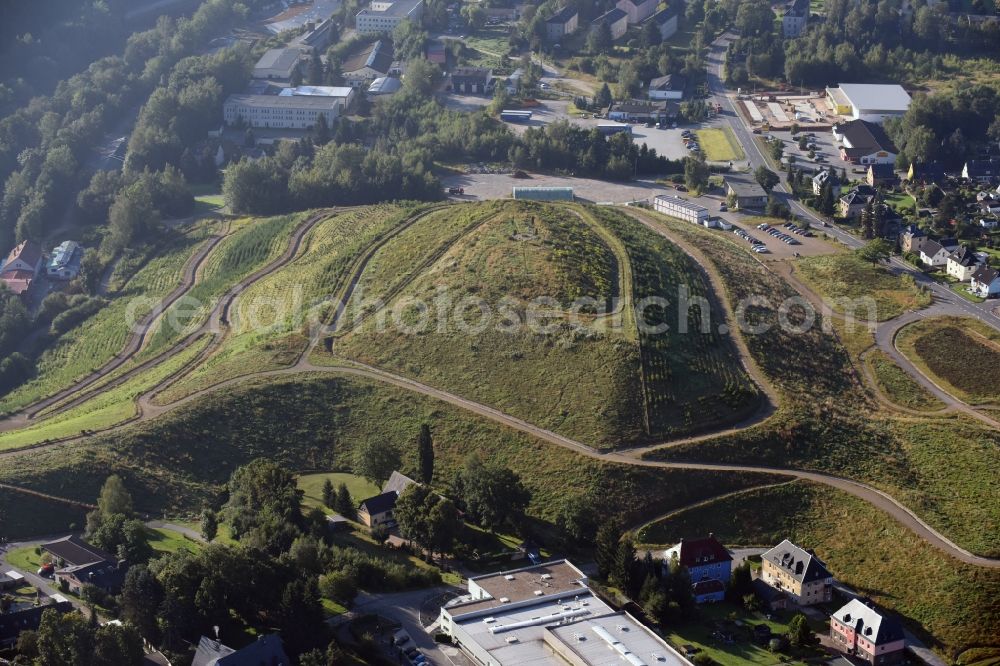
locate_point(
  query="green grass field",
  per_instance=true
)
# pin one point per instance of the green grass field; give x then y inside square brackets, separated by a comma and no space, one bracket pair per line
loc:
[25,558]
[719,145]
[311,486]
[168,541]
[853,286]
[961,355]
[898,386]
[890,564]
[99,338]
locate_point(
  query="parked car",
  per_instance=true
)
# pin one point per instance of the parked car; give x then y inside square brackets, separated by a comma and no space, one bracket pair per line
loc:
[46,570]
[723,207]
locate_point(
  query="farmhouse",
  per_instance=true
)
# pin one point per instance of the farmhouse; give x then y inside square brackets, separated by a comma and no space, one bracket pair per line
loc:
[747,192]
[277,64]
[962,263]
[669,87]
[471,80]
[985,282]
[372,62]
[281,111]
[681,209]
[865,142]
[21,267]
[562,23]
[666,20]
[795,19]
[868,101]
[378,510]
[616,20]
[383,16]
[798,572]
[637,10]
[546,615]
[859,629]
[706,560]
[267,649]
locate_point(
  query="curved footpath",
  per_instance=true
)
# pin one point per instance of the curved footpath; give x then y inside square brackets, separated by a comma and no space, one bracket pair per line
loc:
[148,410]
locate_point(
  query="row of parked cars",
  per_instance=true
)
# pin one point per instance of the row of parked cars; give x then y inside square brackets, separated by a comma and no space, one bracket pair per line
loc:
[755,244]
[779,234]
[401,639]
[690,141]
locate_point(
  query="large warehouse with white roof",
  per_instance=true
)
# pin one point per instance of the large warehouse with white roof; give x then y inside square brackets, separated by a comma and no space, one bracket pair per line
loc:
[868,101]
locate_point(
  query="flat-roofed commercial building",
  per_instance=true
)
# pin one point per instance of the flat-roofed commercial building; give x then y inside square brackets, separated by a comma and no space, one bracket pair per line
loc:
[281,111]
[546,615]
[383,16]
[277,64]
[681,209]
[869,101]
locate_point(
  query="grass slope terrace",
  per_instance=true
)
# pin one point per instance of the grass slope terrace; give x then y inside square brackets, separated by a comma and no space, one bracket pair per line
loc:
[591,377]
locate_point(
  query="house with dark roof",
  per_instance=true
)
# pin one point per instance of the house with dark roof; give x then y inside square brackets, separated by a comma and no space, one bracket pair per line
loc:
[962,263]
[72,551]
[852,204]
[372,62]
[982,171]
[470,80]
[27,617]
[912,238]
[797,572]
[669,87]
[107,575]
[706,559]
[865,142]
[616,20]
[867,633]
[267,650]
[398,482]
[378,510]
[563,22]
[666,19]
[928,172]
[880,174]
[985,282]
[746,191]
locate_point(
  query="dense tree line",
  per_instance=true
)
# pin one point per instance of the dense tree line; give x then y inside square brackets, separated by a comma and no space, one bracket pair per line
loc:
[44,144]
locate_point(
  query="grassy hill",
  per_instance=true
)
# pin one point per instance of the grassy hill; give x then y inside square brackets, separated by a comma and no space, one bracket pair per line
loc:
[589,376]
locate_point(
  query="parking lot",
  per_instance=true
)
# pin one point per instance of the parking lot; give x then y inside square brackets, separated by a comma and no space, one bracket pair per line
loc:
[781,242]
[826,150]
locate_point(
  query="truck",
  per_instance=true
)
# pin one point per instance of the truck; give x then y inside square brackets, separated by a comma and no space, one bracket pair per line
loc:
[513,116]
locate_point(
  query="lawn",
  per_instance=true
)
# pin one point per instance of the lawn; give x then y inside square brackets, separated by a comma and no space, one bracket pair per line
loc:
[960,354]
[898,386]
[168,541]
[102,336]
[865,549]
[25,558]
[311,486]
[710,618]
[719,145]
[855,287]
[902,203]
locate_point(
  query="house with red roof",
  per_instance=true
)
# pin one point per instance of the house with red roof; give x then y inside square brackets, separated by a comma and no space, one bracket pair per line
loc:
[21,266]
[708,563]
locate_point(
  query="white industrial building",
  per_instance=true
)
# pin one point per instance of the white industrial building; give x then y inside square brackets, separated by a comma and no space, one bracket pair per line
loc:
[681,209]
[869,101]
[385,15]
[277,64]
[282,111]
[546,615]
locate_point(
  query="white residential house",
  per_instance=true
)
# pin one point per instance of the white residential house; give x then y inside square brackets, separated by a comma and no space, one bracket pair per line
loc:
[985,282]
[637,10]
[962,263]
[669,87]
[988,224]
[932,253]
